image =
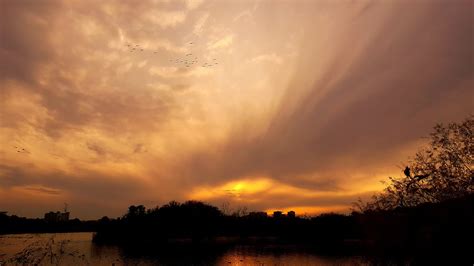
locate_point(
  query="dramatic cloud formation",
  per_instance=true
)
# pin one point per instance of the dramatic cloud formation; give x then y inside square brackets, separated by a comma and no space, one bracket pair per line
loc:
[301,105]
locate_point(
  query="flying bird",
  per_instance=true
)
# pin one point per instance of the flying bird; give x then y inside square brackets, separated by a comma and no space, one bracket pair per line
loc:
[21,150]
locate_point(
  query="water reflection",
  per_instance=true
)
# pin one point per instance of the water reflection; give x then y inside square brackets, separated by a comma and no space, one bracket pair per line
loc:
[251,255]
[78,249]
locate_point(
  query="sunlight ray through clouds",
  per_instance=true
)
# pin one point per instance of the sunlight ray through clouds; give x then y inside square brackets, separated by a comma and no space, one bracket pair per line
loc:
[266,104]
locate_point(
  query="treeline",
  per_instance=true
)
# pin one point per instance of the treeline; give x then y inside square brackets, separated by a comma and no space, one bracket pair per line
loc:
[425,230]
[12,224]
[195,222]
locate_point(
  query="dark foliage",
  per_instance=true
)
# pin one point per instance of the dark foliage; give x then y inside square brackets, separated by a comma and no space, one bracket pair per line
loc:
[430,231]
[11,224]
[441,171]
[198,223]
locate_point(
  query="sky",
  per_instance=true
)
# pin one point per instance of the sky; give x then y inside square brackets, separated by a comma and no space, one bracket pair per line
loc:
[268,105]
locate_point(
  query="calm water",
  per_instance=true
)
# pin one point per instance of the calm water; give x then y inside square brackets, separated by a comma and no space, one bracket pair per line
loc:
[78,249]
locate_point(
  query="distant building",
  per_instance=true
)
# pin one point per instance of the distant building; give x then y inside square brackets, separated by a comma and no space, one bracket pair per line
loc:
[291,214]
[277,214]
[54,217]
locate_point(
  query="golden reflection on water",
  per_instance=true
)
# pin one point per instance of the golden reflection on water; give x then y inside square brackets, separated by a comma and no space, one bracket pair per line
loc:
[284,259]
[78,249]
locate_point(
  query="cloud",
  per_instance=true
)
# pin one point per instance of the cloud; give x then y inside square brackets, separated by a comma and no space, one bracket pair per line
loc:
[193,4]
[252,188]
[42,190]
[267,58]
[23,25]
[223,42]
[166,18]
[76,188]
[259,193]
[247,13]
[199,26]
[139,148]
[106,127]
[178,72]
[243,14]
[352,111]
[100,151]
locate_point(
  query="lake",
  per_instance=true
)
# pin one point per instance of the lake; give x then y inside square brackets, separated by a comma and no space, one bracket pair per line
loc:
[78,249]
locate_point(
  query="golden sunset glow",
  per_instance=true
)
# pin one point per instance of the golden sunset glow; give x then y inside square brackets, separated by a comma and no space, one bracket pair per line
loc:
[272,105]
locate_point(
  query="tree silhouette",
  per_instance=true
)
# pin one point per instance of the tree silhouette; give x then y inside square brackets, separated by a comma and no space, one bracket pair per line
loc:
[441,171]
[135,211]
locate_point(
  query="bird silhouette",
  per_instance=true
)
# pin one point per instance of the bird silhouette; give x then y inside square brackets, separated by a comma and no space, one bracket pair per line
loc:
[407,171]
[21,150]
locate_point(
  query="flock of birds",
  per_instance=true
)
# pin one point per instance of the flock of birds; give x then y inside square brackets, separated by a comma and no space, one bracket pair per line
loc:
[188,60]
[21,150]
